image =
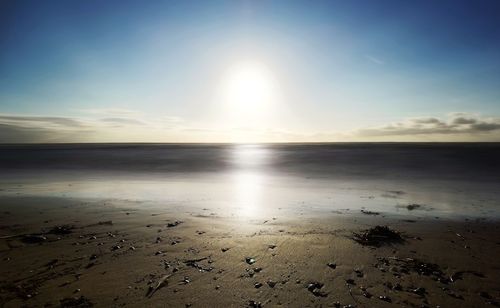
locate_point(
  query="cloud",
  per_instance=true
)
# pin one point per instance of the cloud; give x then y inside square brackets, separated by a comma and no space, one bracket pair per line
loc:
[455,126]
[30,121]
[28,133]
[39,129]
[486,127]
[15,134]
[126,128]
[462,120]
[111,112]
[46,129]
[374,60]
[122,121]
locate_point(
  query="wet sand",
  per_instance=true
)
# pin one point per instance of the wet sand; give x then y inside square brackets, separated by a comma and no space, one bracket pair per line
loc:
[114,251]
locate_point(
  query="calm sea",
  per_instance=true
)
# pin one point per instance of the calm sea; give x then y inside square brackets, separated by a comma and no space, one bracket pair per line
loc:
[450,179]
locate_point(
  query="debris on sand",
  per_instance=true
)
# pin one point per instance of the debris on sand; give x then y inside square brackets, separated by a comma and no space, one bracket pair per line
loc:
[414,206]
[365,292]
[385,298]
[61,230]
[459,275]
[161,283]
[411,206]
[33,238]
[224,249]
[80,302]
[370,212]
[315,289]
[359,273]
[257,285]
[419,291]
[254,304]
[195,263]
[411,265]
[271,283]
[249,260]
[332,265]
[378,236]
[271,246]
[186,280]
[350,281]
[174,224]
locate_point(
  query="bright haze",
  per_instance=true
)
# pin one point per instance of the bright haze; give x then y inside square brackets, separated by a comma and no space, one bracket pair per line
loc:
[249,71]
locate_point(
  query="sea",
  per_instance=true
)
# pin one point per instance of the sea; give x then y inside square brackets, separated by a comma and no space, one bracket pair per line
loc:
[429,180]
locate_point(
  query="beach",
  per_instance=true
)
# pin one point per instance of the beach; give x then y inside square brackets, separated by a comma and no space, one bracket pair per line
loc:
[251,235]
[249,154]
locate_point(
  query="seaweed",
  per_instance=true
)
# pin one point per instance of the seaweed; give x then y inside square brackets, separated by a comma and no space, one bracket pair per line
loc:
[378,236]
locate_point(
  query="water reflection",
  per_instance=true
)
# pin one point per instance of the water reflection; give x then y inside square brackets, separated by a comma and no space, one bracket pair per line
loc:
[248,177]
[250,156]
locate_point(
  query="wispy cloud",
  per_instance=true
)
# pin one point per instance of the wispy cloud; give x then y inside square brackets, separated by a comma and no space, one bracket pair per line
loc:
[122,121]
[374,59]
[111,112]
[30,121]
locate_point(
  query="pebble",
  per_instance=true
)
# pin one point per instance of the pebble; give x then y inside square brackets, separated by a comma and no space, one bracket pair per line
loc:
[271,283]
[385,298]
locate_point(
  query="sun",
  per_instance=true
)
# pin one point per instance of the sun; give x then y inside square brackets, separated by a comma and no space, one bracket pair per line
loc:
[249,88]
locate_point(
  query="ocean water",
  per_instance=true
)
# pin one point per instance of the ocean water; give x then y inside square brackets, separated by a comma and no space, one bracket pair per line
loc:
[446,179]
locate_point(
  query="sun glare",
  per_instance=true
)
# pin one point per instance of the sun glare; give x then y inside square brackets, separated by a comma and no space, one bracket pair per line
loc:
[249,88]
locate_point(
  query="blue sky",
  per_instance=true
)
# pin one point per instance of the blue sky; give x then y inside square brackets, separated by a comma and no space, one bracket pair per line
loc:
[340,70]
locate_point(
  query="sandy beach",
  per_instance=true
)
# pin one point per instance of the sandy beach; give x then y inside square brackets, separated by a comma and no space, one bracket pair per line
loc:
[110,253]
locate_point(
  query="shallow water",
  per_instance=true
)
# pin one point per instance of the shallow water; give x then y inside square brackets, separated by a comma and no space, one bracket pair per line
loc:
[446,180]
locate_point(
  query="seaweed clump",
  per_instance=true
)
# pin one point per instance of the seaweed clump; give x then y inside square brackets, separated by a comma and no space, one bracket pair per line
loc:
[378,236]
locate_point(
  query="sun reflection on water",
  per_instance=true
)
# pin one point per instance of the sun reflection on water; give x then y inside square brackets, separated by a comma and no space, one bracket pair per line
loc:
[248,162]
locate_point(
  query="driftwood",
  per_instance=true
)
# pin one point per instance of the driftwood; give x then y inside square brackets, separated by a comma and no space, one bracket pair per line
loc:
[161,283]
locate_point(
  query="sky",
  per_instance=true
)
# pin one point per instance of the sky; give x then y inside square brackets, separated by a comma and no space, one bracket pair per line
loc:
[249,71]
